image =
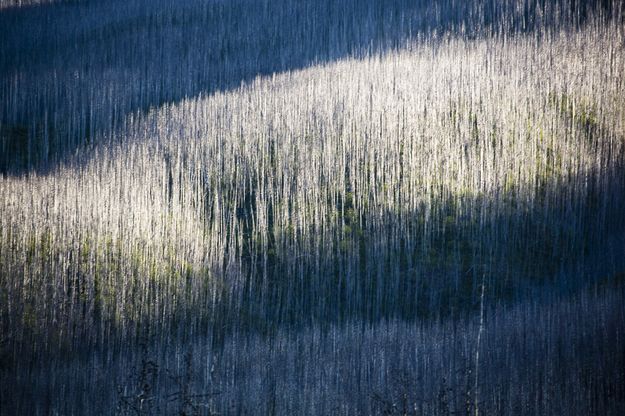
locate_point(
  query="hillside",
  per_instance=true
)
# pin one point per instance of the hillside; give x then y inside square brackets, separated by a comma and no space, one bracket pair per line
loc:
[367,212]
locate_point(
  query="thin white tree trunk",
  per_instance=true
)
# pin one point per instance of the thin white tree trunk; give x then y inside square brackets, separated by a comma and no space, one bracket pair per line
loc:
[477,351]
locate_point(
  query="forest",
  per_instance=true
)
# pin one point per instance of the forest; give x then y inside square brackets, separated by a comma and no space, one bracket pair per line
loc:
[320,207]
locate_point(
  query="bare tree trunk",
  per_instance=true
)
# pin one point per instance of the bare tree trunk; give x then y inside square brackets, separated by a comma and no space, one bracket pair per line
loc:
[477,351]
